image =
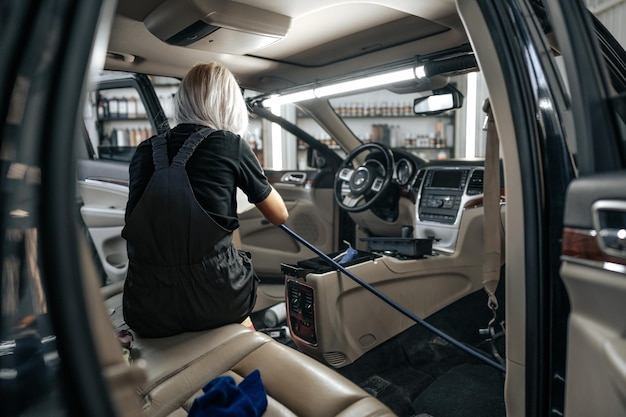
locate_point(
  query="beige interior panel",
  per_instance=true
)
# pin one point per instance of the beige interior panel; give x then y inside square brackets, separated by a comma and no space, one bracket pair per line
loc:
[104,205]
[311,215]
[268,295]
[406,217]
[596,341]
[515,273]
[350,320]
[121,379]
[103,194]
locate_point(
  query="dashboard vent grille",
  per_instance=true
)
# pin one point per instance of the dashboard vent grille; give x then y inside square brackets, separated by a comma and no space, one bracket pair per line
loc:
[475,185]
[418,180]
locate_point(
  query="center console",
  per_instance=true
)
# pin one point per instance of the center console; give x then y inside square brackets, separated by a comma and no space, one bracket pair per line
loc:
[335,320]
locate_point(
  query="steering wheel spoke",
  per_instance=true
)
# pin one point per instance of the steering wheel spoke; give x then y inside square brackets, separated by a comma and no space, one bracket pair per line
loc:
[377,185]
[345,174]
[351,200]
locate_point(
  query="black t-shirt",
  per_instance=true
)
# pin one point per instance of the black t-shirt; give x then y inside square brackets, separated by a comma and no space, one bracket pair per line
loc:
[221,163]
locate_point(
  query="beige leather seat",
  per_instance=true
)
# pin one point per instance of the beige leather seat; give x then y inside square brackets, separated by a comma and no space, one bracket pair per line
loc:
[297,385]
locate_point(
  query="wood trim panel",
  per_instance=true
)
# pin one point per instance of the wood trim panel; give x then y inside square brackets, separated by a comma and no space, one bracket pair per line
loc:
[583,244]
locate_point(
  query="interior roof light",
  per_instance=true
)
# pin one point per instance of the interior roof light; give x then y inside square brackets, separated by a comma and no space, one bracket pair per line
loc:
[343,87]
[366,82]
[288,98]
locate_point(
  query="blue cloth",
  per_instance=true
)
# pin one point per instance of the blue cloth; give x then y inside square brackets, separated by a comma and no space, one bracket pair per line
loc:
[223,398]
[350,254]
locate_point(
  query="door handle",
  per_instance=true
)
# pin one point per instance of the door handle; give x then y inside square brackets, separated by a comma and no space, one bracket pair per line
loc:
[609,217]
[614,239]
[293,178]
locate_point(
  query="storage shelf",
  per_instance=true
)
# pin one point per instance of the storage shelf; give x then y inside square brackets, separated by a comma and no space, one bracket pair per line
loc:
[122,119]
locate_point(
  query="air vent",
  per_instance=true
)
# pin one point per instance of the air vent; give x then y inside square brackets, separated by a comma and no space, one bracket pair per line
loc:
[307,304]
[418,181]
[335,358]
[294,299]
[475,185]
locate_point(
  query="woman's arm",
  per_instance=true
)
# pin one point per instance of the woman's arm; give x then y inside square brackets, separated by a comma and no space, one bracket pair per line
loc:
[273,208]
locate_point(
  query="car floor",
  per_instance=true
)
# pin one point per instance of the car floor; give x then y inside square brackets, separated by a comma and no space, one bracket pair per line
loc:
[419,374]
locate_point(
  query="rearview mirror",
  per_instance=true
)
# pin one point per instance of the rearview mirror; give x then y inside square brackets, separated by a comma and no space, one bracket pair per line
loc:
[440,101]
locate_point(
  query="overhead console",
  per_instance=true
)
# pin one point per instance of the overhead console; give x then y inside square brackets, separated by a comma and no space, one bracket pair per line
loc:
[216,25]
[442,196]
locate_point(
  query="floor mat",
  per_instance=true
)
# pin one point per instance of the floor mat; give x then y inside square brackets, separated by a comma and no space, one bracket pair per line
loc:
[469,390]
[420,373]
[396,386]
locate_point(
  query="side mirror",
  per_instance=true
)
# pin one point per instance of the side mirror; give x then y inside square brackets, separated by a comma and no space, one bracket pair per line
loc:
[314,159]
[440,101]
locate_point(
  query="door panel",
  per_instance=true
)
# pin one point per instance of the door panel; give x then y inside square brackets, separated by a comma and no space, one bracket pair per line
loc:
[312,215]
[594,271]
[103,188]
[104,205]
[105,170]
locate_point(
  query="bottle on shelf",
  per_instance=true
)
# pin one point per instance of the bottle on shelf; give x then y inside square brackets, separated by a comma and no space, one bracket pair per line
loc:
[141,110]
[114,108]
[102,107]
[122,107]
[132,108]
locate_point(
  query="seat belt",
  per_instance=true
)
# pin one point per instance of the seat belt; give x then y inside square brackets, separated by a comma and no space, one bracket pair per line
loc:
[492,240]
[491,206]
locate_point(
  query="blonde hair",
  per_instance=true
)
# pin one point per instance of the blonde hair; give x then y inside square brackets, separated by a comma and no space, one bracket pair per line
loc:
[209,95]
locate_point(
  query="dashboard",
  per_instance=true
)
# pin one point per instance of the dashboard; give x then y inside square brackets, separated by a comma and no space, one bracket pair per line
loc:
[439,190]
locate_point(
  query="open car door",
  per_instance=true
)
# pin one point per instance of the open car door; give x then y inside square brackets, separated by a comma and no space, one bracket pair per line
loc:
[594,237]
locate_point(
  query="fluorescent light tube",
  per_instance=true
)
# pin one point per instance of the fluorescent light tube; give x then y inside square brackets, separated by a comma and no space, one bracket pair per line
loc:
[288,98]
[346,86]
[363,83]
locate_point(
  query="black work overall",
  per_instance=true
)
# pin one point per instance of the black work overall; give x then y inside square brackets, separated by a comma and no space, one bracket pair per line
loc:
[184,274]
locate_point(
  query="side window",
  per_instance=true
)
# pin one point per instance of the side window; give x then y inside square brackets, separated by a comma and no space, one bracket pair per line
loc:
[118,117]
[255,136]
[282,149]
[117,122]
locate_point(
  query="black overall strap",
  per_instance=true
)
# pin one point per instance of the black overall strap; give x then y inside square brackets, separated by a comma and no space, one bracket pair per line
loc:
[190,145]
[159,152]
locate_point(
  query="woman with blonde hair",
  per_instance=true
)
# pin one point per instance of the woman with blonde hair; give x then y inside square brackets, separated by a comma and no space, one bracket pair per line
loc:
[184,273]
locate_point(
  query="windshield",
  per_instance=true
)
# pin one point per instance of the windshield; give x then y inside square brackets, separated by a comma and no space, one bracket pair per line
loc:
[388,117]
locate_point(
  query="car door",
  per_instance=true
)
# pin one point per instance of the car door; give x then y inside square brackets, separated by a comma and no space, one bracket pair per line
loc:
[594,237]
[307,190]
[49,360]
[121,110]
[562,152]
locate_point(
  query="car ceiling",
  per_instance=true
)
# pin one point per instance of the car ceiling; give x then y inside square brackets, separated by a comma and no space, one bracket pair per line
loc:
[322,39]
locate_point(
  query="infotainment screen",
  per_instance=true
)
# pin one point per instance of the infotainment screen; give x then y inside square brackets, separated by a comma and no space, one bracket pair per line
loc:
[446,178]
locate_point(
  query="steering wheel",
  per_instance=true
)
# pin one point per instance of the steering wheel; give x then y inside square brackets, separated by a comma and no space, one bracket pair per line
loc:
[357,189]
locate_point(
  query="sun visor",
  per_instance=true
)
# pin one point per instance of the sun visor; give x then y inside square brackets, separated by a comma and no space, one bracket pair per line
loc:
[216,25]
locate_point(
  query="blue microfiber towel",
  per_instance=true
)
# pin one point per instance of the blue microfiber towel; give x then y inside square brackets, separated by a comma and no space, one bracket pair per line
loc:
[223,398]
